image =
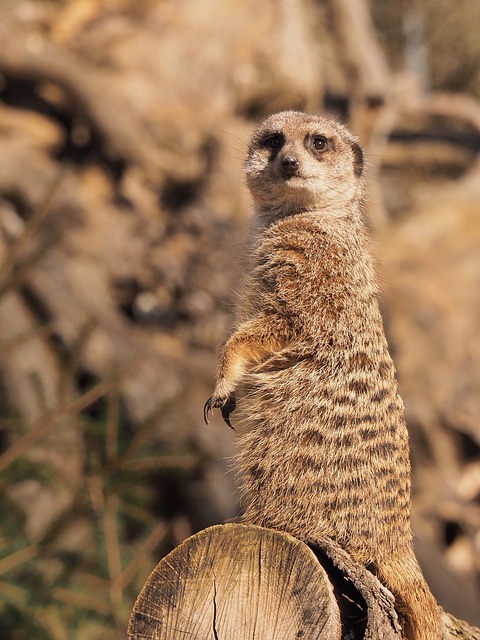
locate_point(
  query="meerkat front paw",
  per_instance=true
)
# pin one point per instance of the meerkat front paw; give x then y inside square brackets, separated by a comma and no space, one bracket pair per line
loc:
[226,404]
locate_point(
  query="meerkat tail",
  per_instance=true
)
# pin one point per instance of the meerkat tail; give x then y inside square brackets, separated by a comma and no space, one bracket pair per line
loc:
[416,603]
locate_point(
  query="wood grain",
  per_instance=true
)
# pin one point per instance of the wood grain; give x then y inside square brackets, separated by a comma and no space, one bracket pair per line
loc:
[237,582]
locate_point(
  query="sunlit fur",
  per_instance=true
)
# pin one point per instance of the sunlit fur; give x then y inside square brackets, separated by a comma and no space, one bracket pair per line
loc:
[323,447]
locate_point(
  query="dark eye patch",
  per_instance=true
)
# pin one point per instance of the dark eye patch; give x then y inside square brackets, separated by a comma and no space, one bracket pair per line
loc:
[319,143]
[272,141]
[357,159]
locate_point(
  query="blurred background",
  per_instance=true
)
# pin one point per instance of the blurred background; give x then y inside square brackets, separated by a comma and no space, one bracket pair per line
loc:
[123,127]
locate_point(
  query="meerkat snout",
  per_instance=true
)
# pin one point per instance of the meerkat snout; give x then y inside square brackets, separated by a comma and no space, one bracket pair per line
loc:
[290,165]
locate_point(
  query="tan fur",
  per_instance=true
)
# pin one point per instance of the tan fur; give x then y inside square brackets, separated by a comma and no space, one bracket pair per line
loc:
[323,446]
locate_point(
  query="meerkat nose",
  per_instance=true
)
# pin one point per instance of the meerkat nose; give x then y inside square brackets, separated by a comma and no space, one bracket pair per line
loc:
[290,165]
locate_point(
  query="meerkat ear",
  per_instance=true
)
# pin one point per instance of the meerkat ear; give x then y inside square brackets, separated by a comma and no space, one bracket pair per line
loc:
[357,159]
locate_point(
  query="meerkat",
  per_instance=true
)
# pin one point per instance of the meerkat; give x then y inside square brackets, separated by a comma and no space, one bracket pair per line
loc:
[323,447]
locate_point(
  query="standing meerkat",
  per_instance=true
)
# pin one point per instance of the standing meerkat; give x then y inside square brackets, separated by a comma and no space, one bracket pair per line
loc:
[323,445]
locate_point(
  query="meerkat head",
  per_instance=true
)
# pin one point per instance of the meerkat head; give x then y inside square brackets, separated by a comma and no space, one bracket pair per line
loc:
[302,162]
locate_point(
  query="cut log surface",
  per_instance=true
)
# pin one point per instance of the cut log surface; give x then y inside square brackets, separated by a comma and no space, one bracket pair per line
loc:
[237,582]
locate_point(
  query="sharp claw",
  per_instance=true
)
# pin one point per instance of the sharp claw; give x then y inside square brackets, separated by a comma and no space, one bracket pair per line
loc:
[206,409]
[227,409]
[227,406]
[225,416]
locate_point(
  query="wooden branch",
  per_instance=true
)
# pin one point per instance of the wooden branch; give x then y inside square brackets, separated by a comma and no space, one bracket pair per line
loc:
[454,106]
[360,49]
[241,582]
[91,92]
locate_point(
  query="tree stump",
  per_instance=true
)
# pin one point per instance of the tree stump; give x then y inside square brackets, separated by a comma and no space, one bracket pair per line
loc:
[236,581]
[241,582]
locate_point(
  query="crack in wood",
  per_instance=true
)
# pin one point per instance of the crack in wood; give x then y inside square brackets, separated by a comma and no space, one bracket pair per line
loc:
[215,634]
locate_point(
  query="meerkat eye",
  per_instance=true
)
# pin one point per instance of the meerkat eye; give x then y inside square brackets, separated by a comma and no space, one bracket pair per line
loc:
[319,143]
[273,141]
